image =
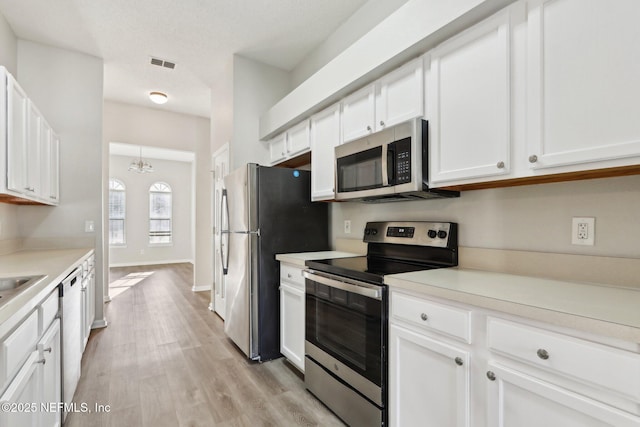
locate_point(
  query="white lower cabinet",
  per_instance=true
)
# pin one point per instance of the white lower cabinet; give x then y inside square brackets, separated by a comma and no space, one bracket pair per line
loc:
[292,314]
[50,355]
[512,372]
[429,381]
[518,399]
[22,397]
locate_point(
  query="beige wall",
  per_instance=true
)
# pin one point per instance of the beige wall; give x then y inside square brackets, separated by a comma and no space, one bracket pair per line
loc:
[529,218]
[152,127]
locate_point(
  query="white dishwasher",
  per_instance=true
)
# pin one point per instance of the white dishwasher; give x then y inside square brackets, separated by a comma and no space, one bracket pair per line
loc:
[71,306]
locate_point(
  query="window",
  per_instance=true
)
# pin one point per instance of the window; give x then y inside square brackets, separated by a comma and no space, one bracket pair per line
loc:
[116,212]
[160,213]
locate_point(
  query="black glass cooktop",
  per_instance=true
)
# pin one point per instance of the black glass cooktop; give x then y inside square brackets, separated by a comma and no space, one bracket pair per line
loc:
[369,269]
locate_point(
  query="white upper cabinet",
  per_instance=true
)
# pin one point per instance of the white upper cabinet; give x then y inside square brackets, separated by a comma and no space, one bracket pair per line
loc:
[469,109]
[583,85]
[30,146]
[400,95]
[298,138]
[16,131]
[278,148]
[358,114]
[325,136]
[291,143]
[396,97]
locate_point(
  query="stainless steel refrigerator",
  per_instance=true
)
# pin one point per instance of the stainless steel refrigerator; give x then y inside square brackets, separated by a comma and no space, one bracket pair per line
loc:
[265,211]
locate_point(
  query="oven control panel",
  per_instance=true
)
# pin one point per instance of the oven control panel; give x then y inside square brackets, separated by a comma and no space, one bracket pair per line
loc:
[420,233]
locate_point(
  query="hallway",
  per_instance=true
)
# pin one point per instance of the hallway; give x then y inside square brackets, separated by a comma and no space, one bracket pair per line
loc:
[164,361]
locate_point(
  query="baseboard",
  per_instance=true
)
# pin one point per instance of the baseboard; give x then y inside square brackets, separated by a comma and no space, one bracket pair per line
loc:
[200,288]
[155,262]
[98,324]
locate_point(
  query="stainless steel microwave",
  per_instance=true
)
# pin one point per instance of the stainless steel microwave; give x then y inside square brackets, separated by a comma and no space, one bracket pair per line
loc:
[390,165]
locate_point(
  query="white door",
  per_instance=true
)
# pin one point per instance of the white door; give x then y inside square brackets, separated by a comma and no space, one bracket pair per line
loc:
[469,103]
[358,113]
[519,400]
[325,135]
[49,348]
[583,85]
[220,169]
[401,95]
[428,381]
[292,324]
[23,391]
[298,138]
[17,102]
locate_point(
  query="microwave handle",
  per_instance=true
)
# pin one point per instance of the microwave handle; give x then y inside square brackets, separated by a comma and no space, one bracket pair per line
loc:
[391,164]
[385,172]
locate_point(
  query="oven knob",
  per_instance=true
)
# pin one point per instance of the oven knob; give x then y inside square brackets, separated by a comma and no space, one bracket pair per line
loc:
[374,231]
[442,234]
[432,234]
[367,231]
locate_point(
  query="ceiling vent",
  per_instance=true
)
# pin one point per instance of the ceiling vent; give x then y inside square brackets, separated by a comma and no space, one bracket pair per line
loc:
[163,63]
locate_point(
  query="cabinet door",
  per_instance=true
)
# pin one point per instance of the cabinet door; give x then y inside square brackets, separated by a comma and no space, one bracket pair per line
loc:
[516,399]
[277,148]
[91,290]
[358,114]
[401,95]
[34,135]
[45,161]
[17,103]
[292,324]
[49,348]
[24,393]
[469,103]
[583,81]
[54,168]
[428,381]
[325,136]
[298,138]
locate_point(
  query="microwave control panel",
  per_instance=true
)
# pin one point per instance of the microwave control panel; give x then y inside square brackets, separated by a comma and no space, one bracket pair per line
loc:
[403,160]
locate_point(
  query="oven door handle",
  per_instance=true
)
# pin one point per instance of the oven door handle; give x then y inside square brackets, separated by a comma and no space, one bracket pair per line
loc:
[361,289]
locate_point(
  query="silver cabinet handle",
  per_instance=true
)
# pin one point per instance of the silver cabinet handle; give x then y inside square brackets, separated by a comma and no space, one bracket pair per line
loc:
[43,361]
[500,165]
[542,354]
[424,316]
[368,128]
[48,350]
[533,158]
[29,188]
[289,275]
[491,375]
[459,361]
[381,123]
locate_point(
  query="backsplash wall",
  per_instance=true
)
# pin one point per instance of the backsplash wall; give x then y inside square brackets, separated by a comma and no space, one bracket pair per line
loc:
[529,218]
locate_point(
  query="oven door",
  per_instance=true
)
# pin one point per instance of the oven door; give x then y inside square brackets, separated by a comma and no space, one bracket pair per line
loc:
[345,330]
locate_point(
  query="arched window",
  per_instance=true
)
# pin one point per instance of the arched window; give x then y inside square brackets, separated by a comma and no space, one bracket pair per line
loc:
[117,212]
[160,213]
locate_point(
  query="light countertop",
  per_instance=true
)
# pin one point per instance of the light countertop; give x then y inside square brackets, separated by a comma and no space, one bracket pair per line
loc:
[300,258]
[55,264]
[600,309]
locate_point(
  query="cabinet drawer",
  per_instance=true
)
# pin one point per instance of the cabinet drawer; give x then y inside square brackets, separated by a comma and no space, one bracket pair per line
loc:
[432,316]
[48,311]
[292,274]
[15,348]
[614,369]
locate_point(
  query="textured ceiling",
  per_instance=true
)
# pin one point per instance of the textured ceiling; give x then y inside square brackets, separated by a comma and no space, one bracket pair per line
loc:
[200,36]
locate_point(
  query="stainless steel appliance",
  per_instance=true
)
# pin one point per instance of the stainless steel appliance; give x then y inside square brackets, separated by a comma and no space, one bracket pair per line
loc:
[390,165]
[265,211]
[346,314]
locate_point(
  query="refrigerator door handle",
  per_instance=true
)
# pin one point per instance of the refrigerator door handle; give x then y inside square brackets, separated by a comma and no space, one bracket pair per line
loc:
[224,259]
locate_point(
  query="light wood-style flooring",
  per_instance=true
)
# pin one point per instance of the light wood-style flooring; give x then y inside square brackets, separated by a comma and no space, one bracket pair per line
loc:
[164,360]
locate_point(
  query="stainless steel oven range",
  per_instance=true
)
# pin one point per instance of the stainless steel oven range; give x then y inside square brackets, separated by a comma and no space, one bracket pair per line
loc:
[346,314]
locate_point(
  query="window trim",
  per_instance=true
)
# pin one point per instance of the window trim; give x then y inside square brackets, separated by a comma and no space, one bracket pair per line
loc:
[113,182]
[160,187]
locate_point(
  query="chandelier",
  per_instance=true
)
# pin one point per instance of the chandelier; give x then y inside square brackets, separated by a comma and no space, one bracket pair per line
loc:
[140,166]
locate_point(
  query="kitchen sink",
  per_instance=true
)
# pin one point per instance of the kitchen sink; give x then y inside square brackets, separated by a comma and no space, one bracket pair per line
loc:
[10,283]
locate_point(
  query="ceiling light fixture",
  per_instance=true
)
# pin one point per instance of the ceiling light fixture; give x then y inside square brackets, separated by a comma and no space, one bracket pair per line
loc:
[140,166]
[158,97]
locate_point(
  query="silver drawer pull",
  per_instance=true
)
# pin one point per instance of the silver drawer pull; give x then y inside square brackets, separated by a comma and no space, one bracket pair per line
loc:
[48,350]
[43,361]
[424,316]
[289,275]
[542,354]
[491,375]
[533,158]
[459,361]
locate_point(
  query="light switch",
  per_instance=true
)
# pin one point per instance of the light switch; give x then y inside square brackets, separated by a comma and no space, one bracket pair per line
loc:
[89,227]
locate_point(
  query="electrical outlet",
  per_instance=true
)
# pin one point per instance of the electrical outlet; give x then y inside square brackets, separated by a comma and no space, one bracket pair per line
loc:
[347,226]
[583,231]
